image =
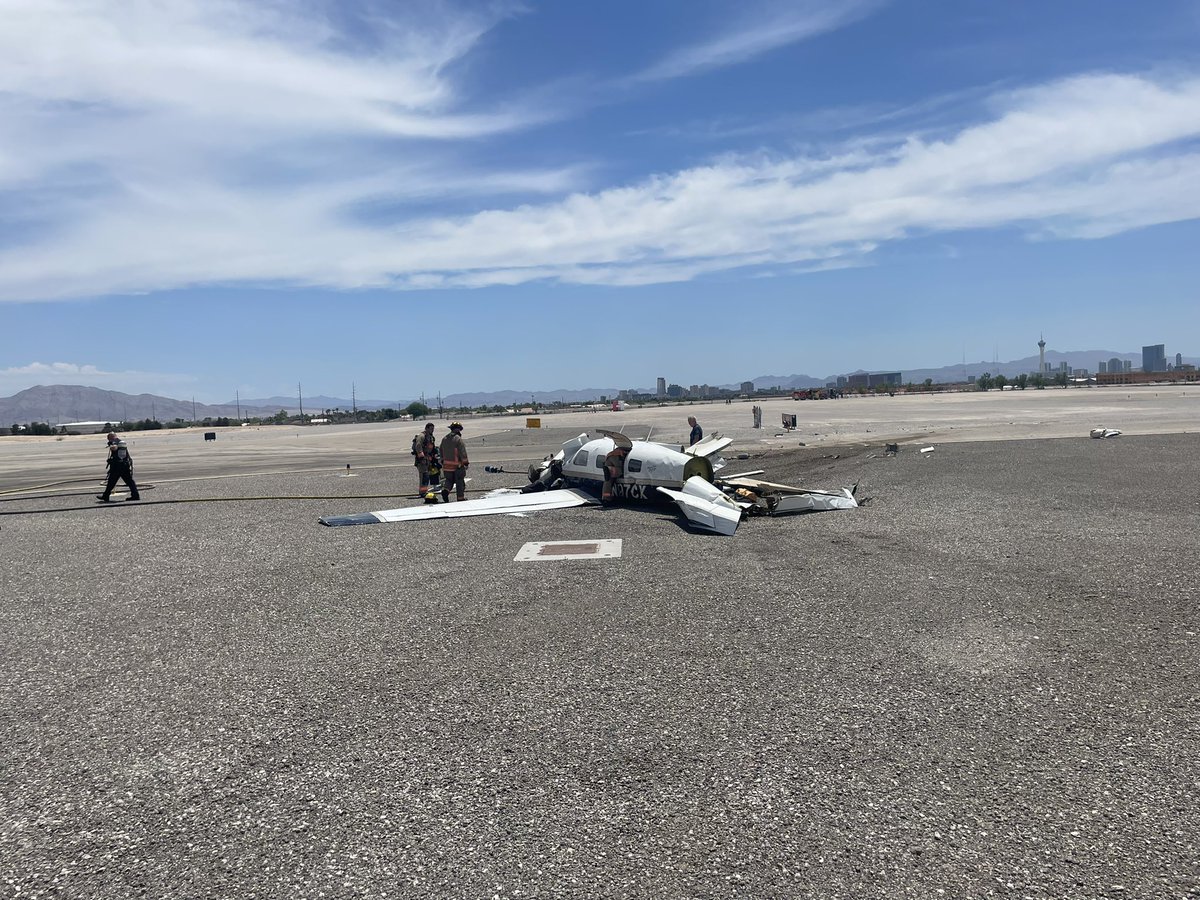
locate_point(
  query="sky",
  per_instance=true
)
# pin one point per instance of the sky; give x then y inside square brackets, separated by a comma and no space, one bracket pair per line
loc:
[205,198]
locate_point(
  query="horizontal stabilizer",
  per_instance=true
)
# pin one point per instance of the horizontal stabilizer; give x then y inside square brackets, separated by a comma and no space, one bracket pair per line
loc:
[709,446]
[706,506]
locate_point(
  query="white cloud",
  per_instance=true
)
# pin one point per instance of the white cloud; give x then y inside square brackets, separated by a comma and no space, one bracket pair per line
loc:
[762,29]
[194,142]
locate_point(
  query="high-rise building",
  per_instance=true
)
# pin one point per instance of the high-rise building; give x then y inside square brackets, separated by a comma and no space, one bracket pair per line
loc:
[1116,364]
[661,389]
[1127,365]
[1103,367]
[1154,358]
[747,387]
[1179,360]
[1042,353]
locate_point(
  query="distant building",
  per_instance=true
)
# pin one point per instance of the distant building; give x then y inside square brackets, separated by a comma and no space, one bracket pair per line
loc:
[675,390]
[1127,365]
[1154,358]
[1103,367]
[1179,360]
[661,389]
[747,387]
[1186,375]
[876,379]
[842,381]
[1116,364]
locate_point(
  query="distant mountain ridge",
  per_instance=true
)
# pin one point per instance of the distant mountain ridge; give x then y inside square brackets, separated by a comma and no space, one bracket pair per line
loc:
[57,403]
[61,403]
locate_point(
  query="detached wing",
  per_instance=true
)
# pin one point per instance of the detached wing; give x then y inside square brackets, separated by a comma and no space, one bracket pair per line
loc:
[503,504]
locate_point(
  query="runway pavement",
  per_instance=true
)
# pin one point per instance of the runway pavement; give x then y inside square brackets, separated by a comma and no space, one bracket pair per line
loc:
[981,683]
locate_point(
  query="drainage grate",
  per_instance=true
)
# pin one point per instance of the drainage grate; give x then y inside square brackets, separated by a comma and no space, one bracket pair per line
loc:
[603,549]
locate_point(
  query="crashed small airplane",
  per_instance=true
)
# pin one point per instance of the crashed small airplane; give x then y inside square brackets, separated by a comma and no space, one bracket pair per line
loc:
[621,469]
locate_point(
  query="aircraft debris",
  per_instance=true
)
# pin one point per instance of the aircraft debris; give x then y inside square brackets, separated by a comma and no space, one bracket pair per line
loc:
[927,449]
[1102,432]
[621,469]
[492,505]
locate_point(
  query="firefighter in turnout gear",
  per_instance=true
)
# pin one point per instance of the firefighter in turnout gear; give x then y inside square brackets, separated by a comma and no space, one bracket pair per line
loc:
[454,463]
[425,449]
[120,466]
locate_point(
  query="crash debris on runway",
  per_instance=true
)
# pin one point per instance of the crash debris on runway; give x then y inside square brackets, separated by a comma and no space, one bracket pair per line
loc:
[619,469]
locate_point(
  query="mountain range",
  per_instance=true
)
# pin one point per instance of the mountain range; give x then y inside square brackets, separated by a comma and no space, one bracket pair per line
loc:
[72,403]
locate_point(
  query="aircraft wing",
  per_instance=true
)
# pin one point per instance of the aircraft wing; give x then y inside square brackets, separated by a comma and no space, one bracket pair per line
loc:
[746,481]
[709,446]
[498,505]
[706,506]
[814,501]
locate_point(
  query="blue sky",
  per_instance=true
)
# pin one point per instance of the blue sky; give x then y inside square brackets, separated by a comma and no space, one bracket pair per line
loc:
[199,197]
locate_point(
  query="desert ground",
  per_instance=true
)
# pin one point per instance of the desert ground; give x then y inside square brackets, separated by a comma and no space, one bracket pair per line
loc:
[983,682]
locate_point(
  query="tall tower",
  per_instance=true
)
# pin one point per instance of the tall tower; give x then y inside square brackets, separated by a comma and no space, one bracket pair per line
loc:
[1041,354]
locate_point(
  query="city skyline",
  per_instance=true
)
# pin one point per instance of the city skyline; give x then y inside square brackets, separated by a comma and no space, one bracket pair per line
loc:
[461,193]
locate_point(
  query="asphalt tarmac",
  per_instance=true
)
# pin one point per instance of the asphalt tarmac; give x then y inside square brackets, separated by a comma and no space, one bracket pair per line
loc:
[981,683]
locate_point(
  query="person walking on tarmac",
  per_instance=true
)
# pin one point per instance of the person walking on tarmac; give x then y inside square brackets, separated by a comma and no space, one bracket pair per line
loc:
[425,450]
[697,432]
[120,465]
[454,464]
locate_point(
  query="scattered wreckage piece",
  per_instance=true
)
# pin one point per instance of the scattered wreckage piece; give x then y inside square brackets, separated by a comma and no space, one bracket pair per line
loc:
[782,499]
[493,505]
[1102,432]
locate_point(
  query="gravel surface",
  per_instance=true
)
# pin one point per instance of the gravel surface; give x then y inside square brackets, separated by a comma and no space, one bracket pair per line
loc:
[982,683]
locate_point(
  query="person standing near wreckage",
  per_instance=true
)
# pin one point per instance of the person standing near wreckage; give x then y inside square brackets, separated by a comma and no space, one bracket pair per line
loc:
[425,450]
[454,464]
[697,432]
[120,466]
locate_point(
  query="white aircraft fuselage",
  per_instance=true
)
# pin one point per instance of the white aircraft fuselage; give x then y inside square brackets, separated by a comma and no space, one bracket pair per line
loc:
[645,466]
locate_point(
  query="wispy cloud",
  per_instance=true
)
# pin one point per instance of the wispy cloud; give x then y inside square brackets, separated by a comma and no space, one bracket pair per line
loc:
[195,142]
[761,29]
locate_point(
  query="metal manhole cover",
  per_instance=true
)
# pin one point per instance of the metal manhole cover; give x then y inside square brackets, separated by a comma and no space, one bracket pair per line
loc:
[603,549]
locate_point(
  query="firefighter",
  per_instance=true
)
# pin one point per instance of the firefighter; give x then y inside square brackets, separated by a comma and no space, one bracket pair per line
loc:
[424,448]
[454,464]
[120,466]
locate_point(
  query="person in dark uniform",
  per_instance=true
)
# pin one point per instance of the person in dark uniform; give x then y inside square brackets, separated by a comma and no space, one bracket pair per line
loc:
[425,449]
[120,466]
[454,464]
[697,432]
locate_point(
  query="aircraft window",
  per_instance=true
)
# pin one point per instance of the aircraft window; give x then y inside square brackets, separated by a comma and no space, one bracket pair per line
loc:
[634,465]
[580,458]
[599,460]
